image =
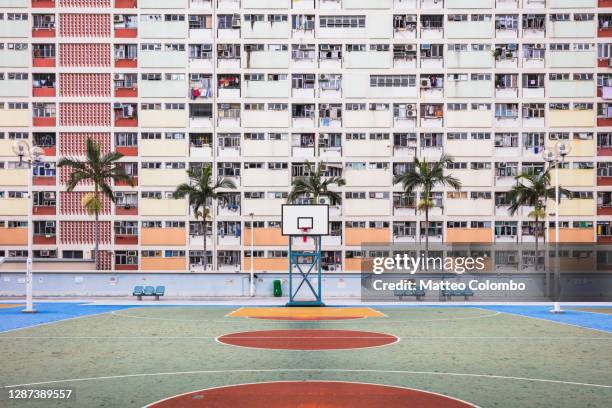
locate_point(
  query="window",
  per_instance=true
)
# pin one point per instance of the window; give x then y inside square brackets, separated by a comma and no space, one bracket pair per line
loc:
[342,21]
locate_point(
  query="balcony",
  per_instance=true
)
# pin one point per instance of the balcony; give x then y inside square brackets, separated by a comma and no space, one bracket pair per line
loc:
[572,208]
[571,118]
[164,148]
[178,264]
[167,118]
[364,236]
[162,177]
[14,28]
[13,236]
[43,3]
[572,58]
[158,28]
[574,178]
[126,239]
[13,206]
[468,207]
[469,235]
[163,207]
[366,207]
[265,237]
[125,115]
[48,239]
[163,236]
[43,85]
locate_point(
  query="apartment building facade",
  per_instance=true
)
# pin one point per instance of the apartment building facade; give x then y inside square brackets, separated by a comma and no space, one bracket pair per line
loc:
[255,88]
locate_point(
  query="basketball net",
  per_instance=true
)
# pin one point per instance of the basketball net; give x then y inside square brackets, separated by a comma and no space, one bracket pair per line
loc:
[305,237]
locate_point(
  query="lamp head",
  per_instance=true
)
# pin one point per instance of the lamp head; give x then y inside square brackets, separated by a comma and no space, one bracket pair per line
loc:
[563,148]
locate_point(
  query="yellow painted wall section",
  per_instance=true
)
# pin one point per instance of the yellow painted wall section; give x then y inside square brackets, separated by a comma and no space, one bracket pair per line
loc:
[359,236]
[13,177]
[358,264]
[163,264]
[13,206]
[162,177]
[13,236]
[574,177]
[267,264]
[163,236]
[15,117]
[150,206]
[576,206]
[469,235]
[163,148]
[572,235]
[264,237]
[571,118]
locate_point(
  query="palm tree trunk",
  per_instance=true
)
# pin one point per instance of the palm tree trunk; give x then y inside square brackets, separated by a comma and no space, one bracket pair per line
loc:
[426,234]
[96,229]
[537,234]
[204,258]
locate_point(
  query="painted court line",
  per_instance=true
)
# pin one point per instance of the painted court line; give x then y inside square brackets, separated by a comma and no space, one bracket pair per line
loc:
[315,381]
[557,322]
[212,338]
[53,322]
[313,370]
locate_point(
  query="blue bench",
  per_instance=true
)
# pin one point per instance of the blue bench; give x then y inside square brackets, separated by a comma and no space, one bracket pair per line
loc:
[449,294]
[417,293]
[140,291]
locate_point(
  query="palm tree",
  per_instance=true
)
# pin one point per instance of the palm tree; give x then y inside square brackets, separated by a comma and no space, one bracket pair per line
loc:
[533,190]
[100,170]
[426,176]
[202,190]
[316,184]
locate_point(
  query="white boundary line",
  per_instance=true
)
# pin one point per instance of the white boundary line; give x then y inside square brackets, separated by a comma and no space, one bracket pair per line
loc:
[330,307]
[311,370]
[212,338]
[312,381]
[397,340]
[557,322]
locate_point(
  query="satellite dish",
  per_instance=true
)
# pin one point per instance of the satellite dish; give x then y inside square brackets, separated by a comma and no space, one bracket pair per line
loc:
[548,156]
[563,149]
[37,153]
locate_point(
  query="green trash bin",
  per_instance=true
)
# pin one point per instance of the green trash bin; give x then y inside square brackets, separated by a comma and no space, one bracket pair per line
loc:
[278,291]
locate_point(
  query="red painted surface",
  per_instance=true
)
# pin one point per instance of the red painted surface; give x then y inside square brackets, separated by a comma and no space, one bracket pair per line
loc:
[126,63]
[126,211]
[43,210]
[604,151]
[43,92]
[125,184]
[44,121]
[126,267]
[307,339]
[43,240]
[43,181]
[604,33]
[126,33]
[126,4]
[603,63]
[43,62]
[128,151]
[604,121]
[604,210]
[43,32]
[123,122]
[310,394]
[604,181]
[605,3]
[126,240]
[604,239]
[43,3]
[126,92]
[49,151]
[304,318]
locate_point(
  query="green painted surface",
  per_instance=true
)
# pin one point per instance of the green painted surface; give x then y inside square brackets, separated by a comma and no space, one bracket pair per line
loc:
[138,344]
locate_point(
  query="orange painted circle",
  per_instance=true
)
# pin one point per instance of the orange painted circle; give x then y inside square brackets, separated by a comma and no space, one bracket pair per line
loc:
[299,339]
[306,318]
[310,394]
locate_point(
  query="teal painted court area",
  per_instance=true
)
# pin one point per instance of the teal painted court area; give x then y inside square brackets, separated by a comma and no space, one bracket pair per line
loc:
[502,356]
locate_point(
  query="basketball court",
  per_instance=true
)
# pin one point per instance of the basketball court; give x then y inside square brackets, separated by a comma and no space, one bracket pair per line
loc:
[409,356]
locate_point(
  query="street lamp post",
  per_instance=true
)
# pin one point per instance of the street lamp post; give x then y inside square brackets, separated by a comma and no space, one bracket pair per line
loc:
[558,158]
[252,272]
[32,155]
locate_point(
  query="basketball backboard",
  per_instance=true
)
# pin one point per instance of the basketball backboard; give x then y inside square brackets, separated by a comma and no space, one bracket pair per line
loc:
[305,219]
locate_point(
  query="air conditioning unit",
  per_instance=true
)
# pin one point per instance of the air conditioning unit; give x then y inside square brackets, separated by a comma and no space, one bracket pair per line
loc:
[44,253]
[409,47]
[132,253]
[48,19]
[324,47]
[425,46]
[49,224]
[323,77]
[331,268]
[426,83]
[117,105]
[409,106]
[236,24]
[502,165]
[193,18]
[48,195]
[119,18]
[411,18]
[541,46]
[119,77]
[411,114]
[512,47]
